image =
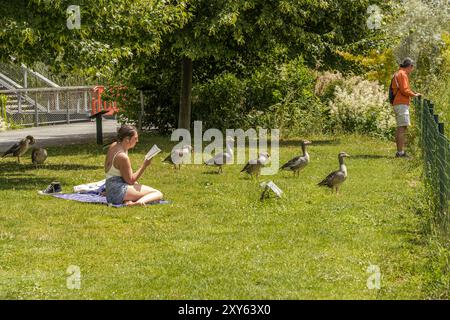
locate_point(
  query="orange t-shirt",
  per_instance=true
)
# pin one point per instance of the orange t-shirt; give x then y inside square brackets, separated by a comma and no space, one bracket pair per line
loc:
[404,93]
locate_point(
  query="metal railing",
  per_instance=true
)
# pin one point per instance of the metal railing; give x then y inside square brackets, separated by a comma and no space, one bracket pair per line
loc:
[436,156]
[25,77]
[39,106]
[48,105]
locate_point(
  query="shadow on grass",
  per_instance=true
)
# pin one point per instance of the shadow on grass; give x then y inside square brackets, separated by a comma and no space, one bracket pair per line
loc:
[332,142]
[76,150]
[296,143]
[25,183]
[66,150]
[94,149]
[10,169]
[413,237]
[211,172]
[369,156]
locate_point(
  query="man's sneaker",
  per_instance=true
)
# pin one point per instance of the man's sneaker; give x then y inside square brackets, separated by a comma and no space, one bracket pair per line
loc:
[402,155]
[53,188]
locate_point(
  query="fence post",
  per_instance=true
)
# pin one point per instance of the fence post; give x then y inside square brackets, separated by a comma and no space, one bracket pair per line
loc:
[36,112]
[141,114]
[48,102]
[25,79]
[1,108]
[420,117]
[78,102]
[19,103]
[444,182]
[425,135]
[85,101]
[67,105]
[57,100]
[435,153]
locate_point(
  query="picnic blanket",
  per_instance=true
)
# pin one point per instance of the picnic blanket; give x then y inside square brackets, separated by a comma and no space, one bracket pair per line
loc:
[94,194]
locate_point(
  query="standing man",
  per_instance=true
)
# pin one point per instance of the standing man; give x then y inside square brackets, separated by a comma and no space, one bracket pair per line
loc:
[403,94]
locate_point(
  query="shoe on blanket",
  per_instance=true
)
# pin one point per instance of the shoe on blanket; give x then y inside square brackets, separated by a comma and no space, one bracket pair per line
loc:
[53,188]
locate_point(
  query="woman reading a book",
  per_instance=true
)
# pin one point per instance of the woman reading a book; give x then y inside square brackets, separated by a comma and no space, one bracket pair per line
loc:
[121,181]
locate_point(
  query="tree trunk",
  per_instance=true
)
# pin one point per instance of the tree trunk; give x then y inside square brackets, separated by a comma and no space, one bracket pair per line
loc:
[184,117]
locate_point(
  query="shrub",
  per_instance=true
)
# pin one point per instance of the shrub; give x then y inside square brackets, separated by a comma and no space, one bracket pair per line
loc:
[220,102]
[3,123]
[271,97]
[326,83]
[361,106]
[440,88]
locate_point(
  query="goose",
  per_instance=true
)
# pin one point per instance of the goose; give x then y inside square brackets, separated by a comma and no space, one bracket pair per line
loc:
[254,166]
[38,156]
[298,163]
[335,179]
[177,156]
[18,149]
[222,158]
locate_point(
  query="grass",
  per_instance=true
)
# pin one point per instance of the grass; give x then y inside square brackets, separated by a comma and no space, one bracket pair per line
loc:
[217,240]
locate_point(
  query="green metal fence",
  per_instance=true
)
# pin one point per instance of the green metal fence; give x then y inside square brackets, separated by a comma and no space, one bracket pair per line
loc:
[436,156]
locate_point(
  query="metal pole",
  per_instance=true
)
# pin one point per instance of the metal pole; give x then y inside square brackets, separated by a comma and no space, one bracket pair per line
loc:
[443,193]
[141,114]
[1,109]
[25,79]
[36,113]
[85,101]
[436,118]
[99,129]
[441,128]
[67,105]
[19,103]
[57,100]
[78,103]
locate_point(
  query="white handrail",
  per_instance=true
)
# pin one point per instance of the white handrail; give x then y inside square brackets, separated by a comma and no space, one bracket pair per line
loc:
[7,82]
[40,76]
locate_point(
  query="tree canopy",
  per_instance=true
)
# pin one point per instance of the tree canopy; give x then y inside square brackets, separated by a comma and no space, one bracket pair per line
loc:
[126,40]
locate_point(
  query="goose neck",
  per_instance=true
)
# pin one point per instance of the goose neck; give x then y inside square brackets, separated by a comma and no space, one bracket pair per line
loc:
[229,148]
[304,149]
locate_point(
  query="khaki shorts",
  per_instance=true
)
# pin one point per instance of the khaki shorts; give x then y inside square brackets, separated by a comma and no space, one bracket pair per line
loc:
[402,115]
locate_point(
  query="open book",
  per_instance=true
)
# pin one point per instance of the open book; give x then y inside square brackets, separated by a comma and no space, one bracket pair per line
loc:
[152,152]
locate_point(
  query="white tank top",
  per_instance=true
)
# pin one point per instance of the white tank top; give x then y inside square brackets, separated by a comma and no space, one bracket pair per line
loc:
[113,171]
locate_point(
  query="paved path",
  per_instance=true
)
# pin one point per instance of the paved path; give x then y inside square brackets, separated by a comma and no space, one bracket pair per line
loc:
[80,132]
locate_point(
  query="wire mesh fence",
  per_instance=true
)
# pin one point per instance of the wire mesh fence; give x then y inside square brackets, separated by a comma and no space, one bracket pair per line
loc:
[34,107]
[436,156]
[35,77]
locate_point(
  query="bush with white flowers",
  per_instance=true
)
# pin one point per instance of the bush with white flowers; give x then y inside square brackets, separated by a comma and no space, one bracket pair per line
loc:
[361,105]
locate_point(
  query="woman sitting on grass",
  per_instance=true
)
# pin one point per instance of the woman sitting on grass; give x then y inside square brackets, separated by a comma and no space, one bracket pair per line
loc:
[121,182]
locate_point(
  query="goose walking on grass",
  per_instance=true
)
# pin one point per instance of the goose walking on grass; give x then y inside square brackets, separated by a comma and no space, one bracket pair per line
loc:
[298,163]
[335,179]
[38,156]
[253,167]
[222,158]
[177,156]
[18,149]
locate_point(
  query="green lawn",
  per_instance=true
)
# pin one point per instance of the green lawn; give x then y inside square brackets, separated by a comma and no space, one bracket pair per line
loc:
[216,240]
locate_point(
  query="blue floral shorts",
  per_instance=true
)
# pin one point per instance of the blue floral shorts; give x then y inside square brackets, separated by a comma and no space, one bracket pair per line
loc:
[116,188]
